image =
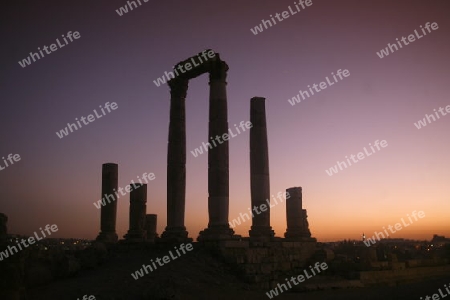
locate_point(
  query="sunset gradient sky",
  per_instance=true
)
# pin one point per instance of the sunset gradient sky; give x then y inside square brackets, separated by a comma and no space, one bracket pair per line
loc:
[117,58]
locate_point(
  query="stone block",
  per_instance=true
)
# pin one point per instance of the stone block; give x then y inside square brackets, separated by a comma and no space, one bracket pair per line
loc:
[235,244]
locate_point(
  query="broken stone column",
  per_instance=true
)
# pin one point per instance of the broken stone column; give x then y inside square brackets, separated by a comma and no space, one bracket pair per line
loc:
[306,231]
[218,171]
[259,171]
[150,227]
[108,213]
[138,208]
[297,224]
[176,163]
[3,228]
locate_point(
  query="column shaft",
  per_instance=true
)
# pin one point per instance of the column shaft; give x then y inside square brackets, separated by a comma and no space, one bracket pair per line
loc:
[297,224]
[176,161]
[138,208]
[218,163]
[110,182]
[150,227]
[259,170]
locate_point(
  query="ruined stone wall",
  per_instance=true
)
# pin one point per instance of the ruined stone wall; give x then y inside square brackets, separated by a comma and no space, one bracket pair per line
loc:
[266,263]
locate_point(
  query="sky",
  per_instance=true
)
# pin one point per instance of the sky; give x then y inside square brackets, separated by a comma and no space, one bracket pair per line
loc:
[117,58]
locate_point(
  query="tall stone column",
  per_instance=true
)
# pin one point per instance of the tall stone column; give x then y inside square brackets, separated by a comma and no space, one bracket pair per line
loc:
[176,162]
[138,208]
[218,170]
[297,225]
[259,171]
[150,227]
[110,182]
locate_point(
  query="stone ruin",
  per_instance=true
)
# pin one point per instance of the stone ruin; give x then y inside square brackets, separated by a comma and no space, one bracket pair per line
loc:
[261,255]
[142,227]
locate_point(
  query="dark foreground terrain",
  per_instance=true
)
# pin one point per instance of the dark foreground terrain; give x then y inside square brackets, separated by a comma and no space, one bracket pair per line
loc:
[199,276]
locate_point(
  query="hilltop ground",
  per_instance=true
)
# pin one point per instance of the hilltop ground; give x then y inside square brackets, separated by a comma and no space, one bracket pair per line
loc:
[197,276]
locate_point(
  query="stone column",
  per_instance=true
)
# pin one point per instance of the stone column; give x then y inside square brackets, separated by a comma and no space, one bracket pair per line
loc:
[259,171]
[306,231]
[218,172]
[150,226]
[176,162]
[110,183]
[138,208]
[297,226]
[3,229]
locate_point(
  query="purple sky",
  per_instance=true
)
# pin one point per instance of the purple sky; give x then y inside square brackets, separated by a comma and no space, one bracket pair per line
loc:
[117,58]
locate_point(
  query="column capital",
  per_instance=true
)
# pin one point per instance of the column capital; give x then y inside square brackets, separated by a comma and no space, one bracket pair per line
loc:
[178,87]
[218,70]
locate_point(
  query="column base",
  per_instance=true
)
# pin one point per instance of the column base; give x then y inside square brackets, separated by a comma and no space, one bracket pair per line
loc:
[262,233]
[151,237]
[175,235]
[297,234]
[135,236]
[107,237]
[216,233]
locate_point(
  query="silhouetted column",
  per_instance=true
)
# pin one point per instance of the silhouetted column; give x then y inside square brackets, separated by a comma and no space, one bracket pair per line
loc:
[297,226]
[3,228]
[109,211]
[218,173]
[150,226]
[306,231]
[176,162]
[138,208]
[259,171]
